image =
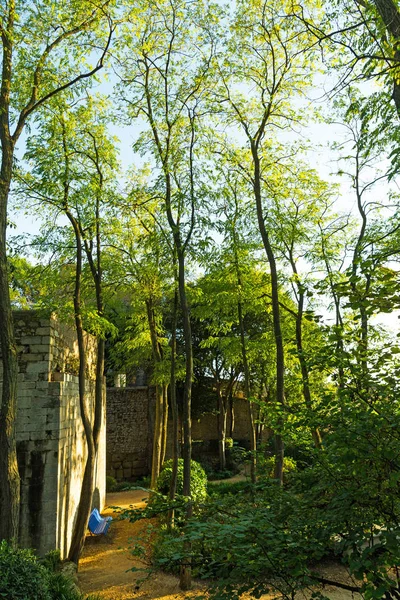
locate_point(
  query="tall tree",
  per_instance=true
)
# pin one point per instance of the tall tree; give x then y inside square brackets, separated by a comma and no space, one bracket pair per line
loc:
[163,80]
[266,55]
[73,165]
[43,48]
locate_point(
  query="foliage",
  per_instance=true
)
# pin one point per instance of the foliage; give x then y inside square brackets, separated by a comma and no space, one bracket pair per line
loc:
[111,483]
[22,577]
[198,483]
[265,465]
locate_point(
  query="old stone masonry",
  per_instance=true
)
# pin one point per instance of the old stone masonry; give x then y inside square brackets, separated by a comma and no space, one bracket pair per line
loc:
[50,438]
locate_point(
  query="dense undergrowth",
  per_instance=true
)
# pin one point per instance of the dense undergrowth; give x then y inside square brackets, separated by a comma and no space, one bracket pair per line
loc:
[338,503]
[24,577]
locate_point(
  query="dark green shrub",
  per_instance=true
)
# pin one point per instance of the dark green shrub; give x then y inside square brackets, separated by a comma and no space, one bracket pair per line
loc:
[63,588]
[111,484]
[22,577]
[226,488]
[51,560]
[168,550]
[198,487]
[217,475]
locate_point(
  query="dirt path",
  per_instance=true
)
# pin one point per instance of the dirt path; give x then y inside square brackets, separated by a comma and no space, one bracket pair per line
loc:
[104,566]
[106,562]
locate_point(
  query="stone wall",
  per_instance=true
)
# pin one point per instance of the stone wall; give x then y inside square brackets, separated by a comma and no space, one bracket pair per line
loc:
[130,432]
[50,439]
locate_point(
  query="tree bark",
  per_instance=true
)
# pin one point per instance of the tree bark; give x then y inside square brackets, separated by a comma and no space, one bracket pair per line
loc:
[9,476]
[174,411]
[164,426]
[186,570]
[315,433]
[158,419]
[280,356]
[222,418]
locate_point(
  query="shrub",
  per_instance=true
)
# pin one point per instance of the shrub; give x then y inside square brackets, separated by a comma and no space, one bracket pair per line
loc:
[52,560]
[63,588]
[218,475]
[111,483]
[198,486]
[22,577]
[266,466]
[227,488]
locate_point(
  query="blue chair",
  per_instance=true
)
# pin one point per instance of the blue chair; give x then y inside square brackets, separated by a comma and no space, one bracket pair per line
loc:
[98,525]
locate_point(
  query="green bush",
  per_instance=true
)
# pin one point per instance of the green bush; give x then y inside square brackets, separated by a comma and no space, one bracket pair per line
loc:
[52,560]
[22,577]
[227,488]
[167,551]
[218,475]
[266,466]
[198,488]
[63,588]
[111,483]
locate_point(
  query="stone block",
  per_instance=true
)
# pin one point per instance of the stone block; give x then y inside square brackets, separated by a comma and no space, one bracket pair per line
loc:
[31,339]
[127,472]
[31,376]
[39,348]
[44,329]
[41,366]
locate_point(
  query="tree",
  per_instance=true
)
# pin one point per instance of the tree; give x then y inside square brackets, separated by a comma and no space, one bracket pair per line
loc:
[272,62]
[34,69]
[73,165]
[143,255]
[164,80]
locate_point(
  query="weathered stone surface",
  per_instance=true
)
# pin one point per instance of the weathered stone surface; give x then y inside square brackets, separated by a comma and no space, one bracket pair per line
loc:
[50,438]
[127,432]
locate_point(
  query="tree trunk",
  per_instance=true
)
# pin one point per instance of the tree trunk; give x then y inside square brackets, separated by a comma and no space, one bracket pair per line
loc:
[280,356]
[9,476]
[158,419]
[186,571]
[222,418]
[85,500]
[174,411]
[231,415]
[316,436]
[157,439]
[164,426]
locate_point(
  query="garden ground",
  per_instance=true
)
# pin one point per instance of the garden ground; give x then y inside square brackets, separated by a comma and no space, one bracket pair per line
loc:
[105,567]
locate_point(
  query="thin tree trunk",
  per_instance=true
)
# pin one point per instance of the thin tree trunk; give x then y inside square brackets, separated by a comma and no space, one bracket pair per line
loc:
[186,570]
[315,433]
[158,419]
[253,440]
[86,496]
[164,426]
[9,476]
[157,438]
[280,356]
[222,418]
[174,411]
[246,371]
[231,415]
